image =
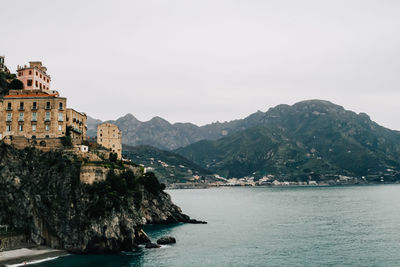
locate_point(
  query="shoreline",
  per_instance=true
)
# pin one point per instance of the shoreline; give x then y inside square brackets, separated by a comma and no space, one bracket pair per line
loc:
[26,256]
[276,186]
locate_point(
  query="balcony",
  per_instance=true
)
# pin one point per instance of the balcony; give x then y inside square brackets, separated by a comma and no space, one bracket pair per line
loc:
[9,119]
[76,130]
[47,119]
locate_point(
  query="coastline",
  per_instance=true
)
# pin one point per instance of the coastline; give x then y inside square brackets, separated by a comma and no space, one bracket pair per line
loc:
[210,186]
[26,256]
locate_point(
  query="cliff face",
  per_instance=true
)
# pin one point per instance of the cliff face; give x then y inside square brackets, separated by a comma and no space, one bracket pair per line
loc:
[41,195]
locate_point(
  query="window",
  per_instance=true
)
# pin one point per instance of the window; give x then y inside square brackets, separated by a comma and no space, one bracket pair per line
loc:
[36,73]
[9,106]
[36,83]
[47,116]
[40,85]
[48,106]
[47,127]
[21,106]
[20,127]
[60,128]
[9,116]
[20,73]
[8,128]
[30,72]
[33,128]
[60,116]
[21,116]
[34,105]
[34,116]
[40,76]
[47,80]
[60,106]
[29,83]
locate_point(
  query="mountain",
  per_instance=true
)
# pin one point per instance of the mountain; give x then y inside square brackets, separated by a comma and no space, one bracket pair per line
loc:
[92,126]
[169,167]
[310,140]
[159,133]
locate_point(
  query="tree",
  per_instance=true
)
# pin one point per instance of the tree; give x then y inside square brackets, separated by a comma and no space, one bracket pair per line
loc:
[16,84]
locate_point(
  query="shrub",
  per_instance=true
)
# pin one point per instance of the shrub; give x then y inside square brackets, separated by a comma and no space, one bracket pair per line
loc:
[151,183]
[113,157]
[16,84]
[66,141]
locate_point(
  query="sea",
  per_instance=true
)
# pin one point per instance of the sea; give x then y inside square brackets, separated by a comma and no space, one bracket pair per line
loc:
[272,226]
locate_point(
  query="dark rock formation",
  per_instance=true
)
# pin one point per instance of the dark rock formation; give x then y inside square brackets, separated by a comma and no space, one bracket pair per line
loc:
[165,240]
[152,245]
[41,195]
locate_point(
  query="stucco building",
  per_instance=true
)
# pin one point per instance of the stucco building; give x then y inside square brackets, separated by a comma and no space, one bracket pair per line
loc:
[37,112]
[110,136]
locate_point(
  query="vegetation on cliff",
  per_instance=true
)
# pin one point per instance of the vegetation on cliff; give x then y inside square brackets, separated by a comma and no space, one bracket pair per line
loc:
[41,194]
[9,81]
[168,166]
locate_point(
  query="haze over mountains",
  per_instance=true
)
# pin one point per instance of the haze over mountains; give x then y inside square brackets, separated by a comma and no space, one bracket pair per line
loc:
[312,139]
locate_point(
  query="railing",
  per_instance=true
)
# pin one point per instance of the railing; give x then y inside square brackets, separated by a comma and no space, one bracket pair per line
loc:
[77,130]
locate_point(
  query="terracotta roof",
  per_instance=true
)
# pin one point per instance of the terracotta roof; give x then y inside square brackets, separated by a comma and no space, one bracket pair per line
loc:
[29,95]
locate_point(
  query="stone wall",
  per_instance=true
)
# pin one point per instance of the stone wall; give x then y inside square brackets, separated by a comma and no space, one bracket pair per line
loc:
[8,242]
[44,144]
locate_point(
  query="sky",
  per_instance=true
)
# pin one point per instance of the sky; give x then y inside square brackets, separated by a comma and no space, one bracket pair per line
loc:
[203,61]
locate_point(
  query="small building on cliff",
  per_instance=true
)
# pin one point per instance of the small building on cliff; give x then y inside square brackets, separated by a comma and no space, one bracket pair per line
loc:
[36,114]
[110,136]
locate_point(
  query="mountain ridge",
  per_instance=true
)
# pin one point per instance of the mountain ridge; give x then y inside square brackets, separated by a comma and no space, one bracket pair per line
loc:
[310,135]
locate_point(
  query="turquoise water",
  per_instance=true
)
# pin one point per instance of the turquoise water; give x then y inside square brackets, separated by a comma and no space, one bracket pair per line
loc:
[262,226]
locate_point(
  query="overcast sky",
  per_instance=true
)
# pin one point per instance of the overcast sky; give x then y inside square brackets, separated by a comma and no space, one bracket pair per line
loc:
[203,61]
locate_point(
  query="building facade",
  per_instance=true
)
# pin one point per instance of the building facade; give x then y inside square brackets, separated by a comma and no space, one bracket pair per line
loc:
[76,123]
[110,136]
[2,64]
[34,76]
[37,112]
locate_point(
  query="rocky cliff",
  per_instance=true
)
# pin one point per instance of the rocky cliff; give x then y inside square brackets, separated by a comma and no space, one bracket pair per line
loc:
[42,196]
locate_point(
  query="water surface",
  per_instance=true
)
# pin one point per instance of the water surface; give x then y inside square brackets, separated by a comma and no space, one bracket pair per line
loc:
[263,226]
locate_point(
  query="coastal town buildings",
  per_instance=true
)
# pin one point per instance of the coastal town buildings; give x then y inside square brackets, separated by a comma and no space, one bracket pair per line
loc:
[37,113]
[110,136]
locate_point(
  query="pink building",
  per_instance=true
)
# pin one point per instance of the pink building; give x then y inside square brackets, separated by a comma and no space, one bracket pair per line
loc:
[34,77]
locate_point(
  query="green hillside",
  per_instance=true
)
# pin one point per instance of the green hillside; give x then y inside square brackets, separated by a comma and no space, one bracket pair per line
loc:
[169,167]
[309,140]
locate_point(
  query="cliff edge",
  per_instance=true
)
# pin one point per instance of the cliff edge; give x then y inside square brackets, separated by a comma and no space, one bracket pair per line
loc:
[42,196]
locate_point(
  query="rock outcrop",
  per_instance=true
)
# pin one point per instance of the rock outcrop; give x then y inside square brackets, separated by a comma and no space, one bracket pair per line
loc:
[165,240]
[42,196]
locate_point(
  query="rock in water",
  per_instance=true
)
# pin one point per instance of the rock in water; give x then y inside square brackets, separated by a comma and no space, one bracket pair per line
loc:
[165,240]
[152,245]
